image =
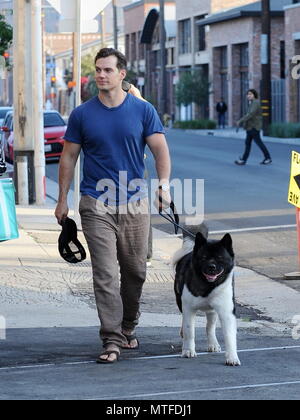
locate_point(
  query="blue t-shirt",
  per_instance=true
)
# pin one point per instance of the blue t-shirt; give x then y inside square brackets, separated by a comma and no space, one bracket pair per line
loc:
[113,143]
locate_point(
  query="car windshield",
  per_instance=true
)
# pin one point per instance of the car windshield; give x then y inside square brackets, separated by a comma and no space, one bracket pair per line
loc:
[3,112]
[53,119]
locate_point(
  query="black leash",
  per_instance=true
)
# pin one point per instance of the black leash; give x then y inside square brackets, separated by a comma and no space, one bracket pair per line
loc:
[173,219]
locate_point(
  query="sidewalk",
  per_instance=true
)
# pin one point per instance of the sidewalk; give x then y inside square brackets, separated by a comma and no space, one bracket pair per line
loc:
[39,289]
[241,135]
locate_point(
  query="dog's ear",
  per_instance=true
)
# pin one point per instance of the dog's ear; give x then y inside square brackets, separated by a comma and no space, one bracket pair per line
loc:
[200,241]
[226,242]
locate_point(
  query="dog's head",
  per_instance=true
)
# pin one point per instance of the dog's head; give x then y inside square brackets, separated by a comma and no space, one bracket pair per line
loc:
[213,260]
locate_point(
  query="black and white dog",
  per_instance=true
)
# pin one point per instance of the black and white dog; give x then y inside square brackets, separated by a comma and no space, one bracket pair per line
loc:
[204,280]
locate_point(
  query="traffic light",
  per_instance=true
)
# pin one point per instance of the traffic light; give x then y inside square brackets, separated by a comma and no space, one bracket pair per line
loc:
[53,81]
[6,57]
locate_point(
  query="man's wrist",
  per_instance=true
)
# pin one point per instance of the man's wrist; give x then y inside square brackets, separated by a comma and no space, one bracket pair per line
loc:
[164,185]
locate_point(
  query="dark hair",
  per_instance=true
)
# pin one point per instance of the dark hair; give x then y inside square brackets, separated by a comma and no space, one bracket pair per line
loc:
[107,52]
[254,93]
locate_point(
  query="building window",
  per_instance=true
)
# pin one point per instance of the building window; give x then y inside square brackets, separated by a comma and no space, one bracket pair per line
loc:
[244,88]
[223,58]
[127,47]
[244,55]
[223,73]
[141,47]
[185,36]
[171,56]
[244,76]
[282,60]
[156,58]
[133,46]
[200,35]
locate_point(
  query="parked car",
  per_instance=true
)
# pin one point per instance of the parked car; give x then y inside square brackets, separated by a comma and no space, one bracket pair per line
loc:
[54,130]
[3,111]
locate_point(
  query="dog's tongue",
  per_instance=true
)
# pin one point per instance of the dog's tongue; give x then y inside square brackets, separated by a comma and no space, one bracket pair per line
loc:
[212,277]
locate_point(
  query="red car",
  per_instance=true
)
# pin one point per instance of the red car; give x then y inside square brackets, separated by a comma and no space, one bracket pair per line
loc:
[54,130]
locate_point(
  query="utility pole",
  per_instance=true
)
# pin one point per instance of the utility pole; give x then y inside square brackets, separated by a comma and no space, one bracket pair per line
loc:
[23,137]
[266,89]
[163,59]
[102,29]
[77,78]
[37,98]
[115,24]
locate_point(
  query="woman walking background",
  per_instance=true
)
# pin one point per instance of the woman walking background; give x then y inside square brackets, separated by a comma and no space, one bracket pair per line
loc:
[252,123]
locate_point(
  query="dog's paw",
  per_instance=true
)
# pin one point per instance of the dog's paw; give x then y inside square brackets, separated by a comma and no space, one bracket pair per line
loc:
[188,353]
[233,361]
[214,348]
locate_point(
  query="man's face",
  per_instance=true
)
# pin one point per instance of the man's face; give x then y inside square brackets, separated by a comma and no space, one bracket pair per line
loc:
[107,75]
[250,96]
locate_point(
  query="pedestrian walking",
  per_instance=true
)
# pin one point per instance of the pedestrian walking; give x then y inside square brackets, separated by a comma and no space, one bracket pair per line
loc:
[221,109]
[252,123]
[112,129]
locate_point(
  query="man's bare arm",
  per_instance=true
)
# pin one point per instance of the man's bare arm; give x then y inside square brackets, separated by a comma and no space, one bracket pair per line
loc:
[66,174]
[157,143]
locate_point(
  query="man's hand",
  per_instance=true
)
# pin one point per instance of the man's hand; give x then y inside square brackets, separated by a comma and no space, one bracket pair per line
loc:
[165,197]
[61,211]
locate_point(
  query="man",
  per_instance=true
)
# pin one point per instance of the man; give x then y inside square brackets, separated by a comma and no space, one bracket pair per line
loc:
[252,123]
[221,109]
[113,129]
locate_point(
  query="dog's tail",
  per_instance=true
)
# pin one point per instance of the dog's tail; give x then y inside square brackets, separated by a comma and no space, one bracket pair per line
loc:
[188,242]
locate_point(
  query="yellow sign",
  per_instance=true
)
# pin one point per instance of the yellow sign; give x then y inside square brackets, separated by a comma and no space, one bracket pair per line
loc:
[294,189]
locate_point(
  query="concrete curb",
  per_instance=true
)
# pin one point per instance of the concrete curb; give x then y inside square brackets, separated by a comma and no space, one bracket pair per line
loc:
[241,135]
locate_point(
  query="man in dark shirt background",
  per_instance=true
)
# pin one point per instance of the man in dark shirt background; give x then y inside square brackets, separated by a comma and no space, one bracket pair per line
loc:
[221,109]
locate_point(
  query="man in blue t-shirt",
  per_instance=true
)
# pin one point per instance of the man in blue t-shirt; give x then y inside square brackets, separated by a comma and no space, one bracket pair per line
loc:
[112,129]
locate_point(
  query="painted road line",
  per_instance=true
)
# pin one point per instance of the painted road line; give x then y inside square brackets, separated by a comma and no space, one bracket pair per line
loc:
[167,356]
[254,229]
[193,391]
[247,229]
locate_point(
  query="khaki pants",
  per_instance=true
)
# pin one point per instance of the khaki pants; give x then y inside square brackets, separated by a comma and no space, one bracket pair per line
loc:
[114,238]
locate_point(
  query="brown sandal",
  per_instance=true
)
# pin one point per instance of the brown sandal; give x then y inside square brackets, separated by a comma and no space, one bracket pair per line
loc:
[108,353]
[130,338]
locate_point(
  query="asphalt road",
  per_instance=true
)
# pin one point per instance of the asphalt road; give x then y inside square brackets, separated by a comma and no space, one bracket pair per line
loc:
[248,201]
[59,363]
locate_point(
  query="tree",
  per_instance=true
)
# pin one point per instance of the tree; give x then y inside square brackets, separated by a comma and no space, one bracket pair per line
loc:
[193,87]
[6,35]
[87,65]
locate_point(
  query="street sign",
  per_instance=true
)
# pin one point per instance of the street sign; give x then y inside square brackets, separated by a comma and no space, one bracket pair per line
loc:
[294,188]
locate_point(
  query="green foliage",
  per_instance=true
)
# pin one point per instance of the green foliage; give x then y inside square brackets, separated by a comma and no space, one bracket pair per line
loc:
[87,65]
[285,130]
[193,87]
[131,77]
[6,35]
[196,124]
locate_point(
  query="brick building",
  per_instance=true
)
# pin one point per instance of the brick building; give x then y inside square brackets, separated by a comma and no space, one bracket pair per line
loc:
[141,28]
[235,54]
[292,47]
[192,48]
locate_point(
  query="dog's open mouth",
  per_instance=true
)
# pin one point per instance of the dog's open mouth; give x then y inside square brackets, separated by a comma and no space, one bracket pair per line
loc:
[212,277]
